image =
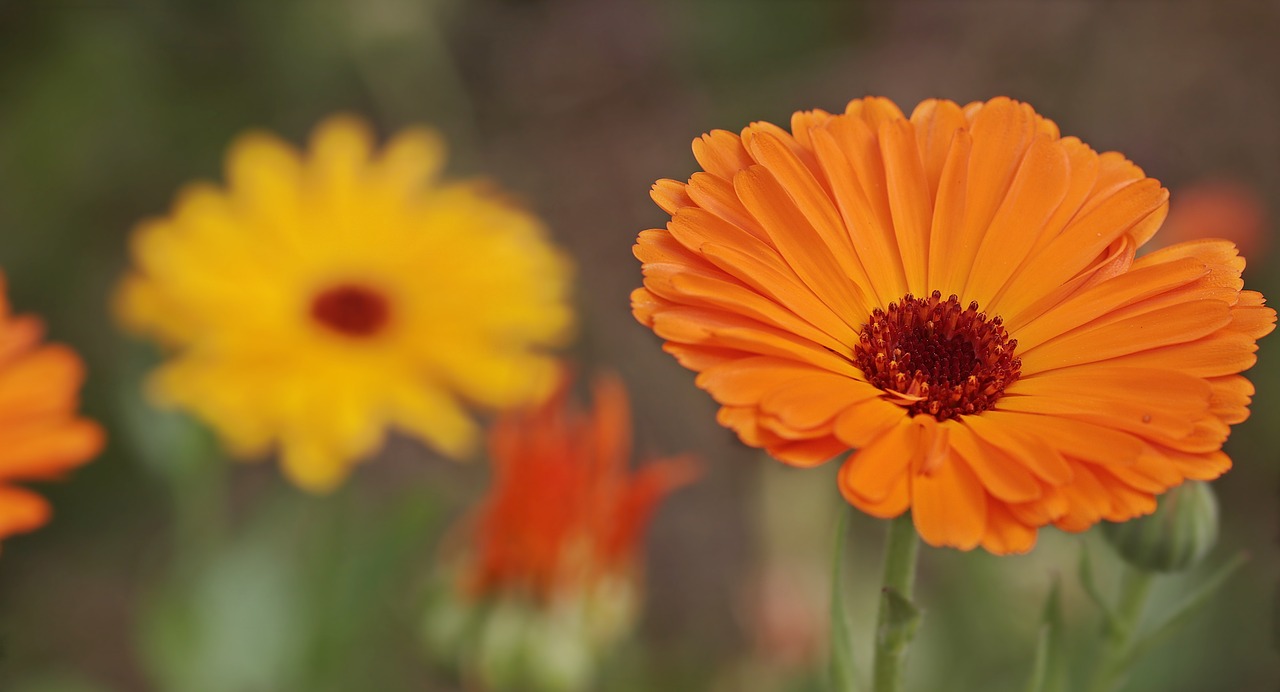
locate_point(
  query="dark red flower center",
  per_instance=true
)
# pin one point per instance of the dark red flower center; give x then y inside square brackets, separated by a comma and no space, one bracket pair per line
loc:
[351,310]
[937,357]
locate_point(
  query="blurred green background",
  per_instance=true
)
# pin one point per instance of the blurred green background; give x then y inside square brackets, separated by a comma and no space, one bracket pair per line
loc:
[143,582]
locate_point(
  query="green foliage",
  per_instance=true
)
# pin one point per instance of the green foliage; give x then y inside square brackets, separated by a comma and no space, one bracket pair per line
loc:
[843,670]
[1049,670]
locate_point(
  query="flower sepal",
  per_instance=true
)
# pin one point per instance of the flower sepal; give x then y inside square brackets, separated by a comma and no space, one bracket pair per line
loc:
[1176,537]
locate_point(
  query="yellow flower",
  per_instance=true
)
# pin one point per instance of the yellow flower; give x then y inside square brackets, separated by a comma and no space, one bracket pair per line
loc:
[322,297]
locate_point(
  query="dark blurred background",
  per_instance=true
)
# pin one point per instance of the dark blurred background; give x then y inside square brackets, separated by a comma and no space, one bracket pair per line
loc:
[577,106]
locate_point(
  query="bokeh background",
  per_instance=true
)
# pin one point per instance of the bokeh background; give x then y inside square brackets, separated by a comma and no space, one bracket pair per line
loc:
[575,106]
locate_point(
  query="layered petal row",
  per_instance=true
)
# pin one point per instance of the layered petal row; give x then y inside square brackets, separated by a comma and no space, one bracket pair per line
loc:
[957,296]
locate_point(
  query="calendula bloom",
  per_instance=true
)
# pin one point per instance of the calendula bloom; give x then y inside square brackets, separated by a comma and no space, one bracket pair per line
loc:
[564,511]
[955,295]
[548,578]
[41,437]
[322,297]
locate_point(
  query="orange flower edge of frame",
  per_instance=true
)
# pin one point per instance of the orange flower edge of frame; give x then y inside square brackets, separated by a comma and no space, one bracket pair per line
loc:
[41,438]
[564,511]
[956,296]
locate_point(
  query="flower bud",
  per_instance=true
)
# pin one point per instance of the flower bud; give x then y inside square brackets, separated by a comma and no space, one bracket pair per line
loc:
[1182,530]
[536,648]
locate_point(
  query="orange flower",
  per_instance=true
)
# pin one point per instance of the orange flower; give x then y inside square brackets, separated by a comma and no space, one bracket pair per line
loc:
[40,436]
[564,512]
[956,296]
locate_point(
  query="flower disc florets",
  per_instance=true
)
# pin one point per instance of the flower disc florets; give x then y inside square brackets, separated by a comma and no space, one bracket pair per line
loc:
[937,357]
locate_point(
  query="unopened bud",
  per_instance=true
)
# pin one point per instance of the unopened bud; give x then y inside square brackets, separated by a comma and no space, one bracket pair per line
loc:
[1182,530]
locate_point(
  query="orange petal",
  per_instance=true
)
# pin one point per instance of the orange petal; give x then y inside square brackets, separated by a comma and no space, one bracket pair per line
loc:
[43,382]
[808,453]
[46,448]
[936,121]
[1196,466]
[1170,325]
[803,123]
[808,402]
[1002,475]
[1127,289]
[879,471]
[1083,163]
[798,242]
[1082,241]
[1001,131]
[17,334]
[687,286]
[949,506]
[910,202]
[874,110]
[946,237]
[670,195]
[718,328]
[1045,461]
[699,358]
[21,511]
[746,381]
[721,153]
[1086,441]
[1231,397]
[813,202]
[717,197]
[1039,186]
[779,283]
[849,154]
[1223,353]
[1005,535]
[867,420]
[1140,400]
[658,245]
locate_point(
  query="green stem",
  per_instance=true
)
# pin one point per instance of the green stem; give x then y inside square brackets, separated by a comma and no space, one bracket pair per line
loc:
[199,496]
[843,671]
[1135,587]
[896,623]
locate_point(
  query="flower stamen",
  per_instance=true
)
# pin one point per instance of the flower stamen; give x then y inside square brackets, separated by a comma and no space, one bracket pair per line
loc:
[936,357]
[351,310]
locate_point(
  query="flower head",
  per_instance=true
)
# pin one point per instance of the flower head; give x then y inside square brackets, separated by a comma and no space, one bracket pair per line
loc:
[955,295]
[321,298]
[41,438]
[564,512]
[548,578]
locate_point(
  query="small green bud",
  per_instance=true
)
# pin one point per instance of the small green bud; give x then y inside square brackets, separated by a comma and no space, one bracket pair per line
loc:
[1182,530]
[535,648]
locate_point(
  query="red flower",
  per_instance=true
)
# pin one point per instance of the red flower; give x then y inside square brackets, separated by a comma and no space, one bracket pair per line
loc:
[564,511]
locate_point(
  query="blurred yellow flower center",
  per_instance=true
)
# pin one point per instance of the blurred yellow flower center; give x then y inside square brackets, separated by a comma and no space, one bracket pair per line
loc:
[351,310]
[933,356]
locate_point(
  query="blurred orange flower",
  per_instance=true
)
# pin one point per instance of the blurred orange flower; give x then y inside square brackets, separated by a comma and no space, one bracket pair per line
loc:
[40,436]
[956,296]
[1218,209]
[548,581]
[564,511]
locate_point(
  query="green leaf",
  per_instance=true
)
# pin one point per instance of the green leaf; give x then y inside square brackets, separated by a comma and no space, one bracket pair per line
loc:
[1182,612]
[843,671]
[900,626]
[1049,672]
[1090,587]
